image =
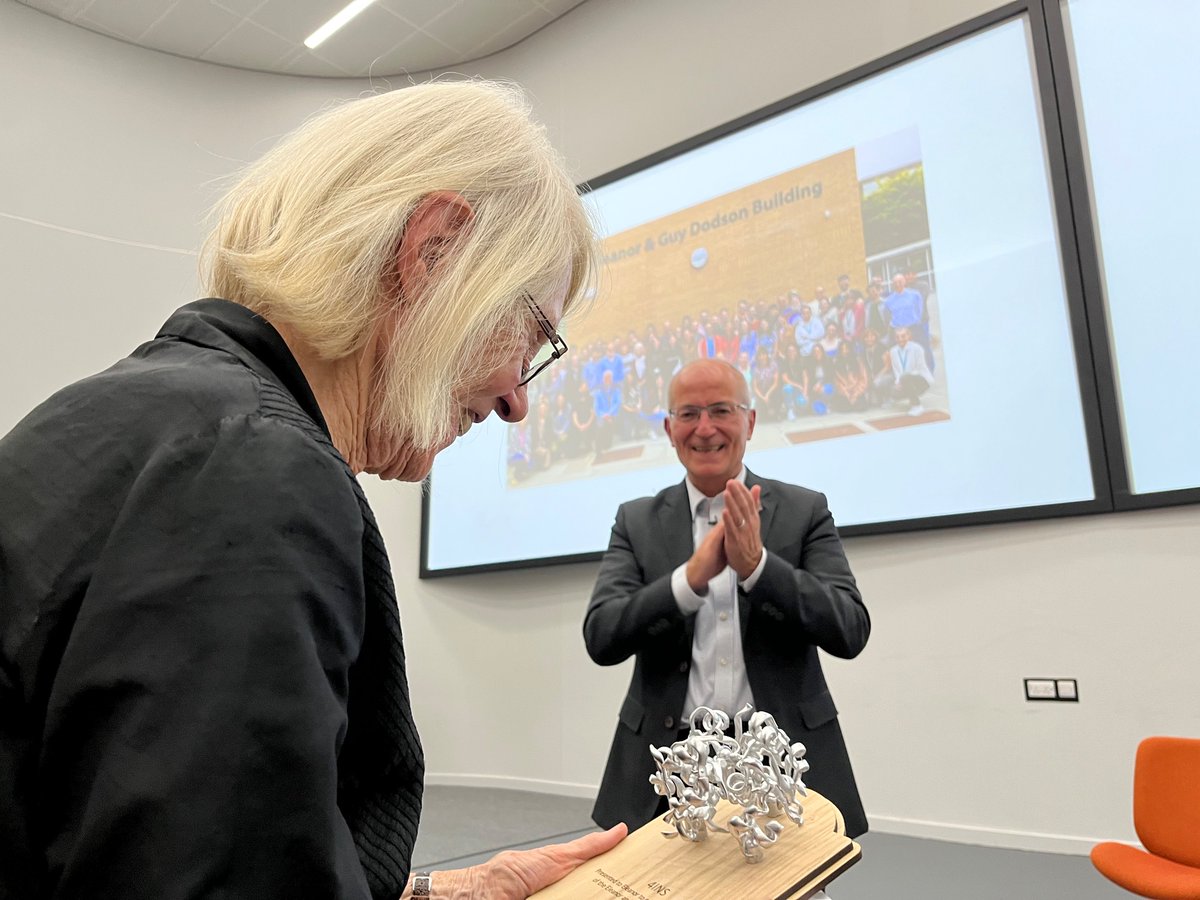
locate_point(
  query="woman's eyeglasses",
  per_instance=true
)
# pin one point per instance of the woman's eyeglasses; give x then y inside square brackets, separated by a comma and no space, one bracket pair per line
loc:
[554,349]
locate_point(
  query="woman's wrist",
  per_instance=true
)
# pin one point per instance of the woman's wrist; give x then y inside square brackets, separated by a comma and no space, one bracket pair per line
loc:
[444,884]
[457,884]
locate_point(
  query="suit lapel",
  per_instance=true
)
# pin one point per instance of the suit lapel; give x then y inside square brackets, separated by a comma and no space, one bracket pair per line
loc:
[769,503]
[675,524]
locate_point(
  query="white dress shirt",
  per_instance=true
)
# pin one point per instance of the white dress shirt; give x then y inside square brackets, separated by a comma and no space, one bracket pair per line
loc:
[717,678]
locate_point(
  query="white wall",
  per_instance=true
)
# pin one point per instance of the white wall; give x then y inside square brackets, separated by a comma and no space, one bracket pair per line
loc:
[118,145]
[109,157]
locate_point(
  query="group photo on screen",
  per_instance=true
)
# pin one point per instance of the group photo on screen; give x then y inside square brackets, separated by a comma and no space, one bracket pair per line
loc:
[818,284]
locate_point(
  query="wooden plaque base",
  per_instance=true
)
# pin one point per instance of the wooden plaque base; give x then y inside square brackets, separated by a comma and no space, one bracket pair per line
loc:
[648,866]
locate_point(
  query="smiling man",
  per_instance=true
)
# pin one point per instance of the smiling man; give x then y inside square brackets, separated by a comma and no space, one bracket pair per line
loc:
[723,587]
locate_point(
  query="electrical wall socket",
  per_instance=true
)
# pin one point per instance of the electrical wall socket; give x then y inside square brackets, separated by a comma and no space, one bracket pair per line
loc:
[1052,689]
[1067,689]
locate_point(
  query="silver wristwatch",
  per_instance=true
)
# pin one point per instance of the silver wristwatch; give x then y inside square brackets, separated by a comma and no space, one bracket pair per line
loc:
[422,884]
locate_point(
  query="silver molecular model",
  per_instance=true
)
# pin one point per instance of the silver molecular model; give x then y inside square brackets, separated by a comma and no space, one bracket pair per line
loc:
[757,769]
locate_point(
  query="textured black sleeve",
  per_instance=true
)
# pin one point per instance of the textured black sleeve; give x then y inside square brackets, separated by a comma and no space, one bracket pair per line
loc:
[191,741]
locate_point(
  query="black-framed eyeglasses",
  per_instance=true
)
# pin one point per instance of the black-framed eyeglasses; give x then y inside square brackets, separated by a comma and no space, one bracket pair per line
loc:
[717,412]
[555,348]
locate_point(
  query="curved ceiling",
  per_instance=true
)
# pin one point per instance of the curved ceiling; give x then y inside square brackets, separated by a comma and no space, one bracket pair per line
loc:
[390,37]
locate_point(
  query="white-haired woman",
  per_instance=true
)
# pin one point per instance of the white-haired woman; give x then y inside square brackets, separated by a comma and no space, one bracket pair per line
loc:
[202,686]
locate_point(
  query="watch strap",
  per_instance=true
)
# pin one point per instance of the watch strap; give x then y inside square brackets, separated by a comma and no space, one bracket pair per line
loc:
[422,884]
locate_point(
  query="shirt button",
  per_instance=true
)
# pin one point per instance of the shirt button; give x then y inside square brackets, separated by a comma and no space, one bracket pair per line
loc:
[724,616]
[724,661]
[669,722]
[683,667]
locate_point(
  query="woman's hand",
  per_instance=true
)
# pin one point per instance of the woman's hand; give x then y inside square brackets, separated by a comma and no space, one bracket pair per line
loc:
[515,874]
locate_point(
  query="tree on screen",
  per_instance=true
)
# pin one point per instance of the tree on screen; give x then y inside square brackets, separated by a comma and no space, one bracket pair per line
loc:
[894,213]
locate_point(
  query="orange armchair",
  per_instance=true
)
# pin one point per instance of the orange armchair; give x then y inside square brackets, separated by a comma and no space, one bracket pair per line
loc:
[1166,816]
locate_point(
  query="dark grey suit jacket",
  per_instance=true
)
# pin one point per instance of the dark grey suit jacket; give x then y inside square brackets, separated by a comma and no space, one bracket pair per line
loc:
[805,598]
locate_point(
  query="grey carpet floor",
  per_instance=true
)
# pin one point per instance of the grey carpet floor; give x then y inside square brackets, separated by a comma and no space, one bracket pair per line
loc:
[464,826]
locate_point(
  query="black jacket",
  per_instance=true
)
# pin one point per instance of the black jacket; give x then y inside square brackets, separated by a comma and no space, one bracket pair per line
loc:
[190,580]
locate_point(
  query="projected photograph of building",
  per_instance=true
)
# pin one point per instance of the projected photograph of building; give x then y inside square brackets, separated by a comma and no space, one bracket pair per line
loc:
[818,284]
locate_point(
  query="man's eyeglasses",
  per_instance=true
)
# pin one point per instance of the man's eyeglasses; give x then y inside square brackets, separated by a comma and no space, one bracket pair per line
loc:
[553,349]
[717,412]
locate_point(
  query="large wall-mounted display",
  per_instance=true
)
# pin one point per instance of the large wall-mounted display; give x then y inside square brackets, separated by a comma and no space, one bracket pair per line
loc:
[912,211]
[1139,138]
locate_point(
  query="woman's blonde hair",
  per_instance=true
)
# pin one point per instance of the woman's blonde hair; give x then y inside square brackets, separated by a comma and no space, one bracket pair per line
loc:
[308,238]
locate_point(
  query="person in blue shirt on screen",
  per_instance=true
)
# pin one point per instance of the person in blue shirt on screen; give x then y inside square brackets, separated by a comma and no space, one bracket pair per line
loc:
[593,371]
[613,364]
[607,402]
[905,305]
[748,342]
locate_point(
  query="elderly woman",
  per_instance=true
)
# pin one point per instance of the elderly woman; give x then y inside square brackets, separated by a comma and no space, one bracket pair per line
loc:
[202,685]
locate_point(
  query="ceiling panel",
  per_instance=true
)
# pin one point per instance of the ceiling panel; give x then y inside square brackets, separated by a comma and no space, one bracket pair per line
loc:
[392,37]
[558,7]
[418,54]
[65,9]
[373,33]
[507,35]
[130,19]
[249,46]
[191,28]
[419,12]
[467,25]
[241,8]
[297,21]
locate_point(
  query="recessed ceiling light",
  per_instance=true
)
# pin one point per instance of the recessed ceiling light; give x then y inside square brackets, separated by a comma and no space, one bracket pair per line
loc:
[318,37]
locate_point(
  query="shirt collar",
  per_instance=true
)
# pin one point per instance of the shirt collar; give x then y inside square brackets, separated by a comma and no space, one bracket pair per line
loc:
[231,327]
[695,495]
